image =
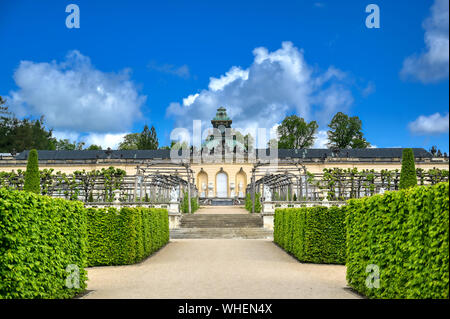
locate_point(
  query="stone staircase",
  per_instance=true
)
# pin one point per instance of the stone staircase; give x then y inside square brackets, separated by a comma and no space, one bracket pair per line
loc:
[226,226]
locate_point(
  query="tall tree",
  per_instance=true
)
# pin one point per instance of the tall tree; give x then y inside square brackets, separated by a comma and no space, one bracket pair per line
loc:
[178,145]
[32,177]
[294,133]
[148,139]
[18,135]
[130,142]
[4,126]
[153,139]
[247,140]
[66,145]
[346,132]
[3,108]
[94,147]
[273,143]
[24,134]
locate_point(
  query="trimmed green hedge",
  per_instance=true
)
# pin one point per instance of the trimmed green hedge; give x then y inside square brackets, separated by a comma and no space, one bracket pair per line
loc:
[125,236]
[185,204]
[408,177]
[313,234]
[406,235]
[249,203]
[40,237]
[32,178]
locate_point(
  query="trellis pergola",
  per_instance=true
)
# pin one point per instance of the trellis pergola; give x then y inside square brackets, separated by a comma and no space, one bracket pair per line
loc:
[282,177]
[164,176]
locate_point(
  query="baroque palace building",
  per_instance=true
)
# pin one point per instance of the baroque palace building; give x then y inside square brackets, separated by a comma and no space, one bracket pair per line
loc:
[227,179]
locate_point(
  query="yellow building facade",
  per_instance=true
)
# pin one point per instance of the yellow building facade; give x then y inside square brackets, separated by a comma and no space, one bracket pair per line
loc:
[226,178]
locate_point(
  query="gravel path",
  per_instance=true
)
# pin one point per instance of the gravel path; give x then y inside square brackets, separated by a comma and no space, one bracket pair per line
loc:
[222,268]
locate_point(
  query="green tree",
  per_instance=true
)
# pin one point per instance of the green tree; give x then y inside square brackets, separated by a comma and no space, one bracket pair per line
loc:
[130,142]
[177,145]
[273,143]
[346,132]
[24,134]
[408,177]
[32,176]
[19,135]
[294,133]
[4,127]
[153,139]
[3,109]
[148,139]
[66,145]
[249,141]
[94,147]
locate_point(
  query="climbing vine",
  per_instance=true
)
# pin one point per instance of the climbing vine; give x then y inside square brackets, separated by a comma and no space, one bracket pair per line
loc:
[334,183]
[81,185]
[341,184]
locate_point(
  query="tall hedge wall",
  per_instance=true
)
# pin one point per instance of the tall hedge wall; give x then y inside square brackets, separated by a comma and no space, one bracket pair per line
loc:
[125,236]
[406,235]
[39,238]
[314,234]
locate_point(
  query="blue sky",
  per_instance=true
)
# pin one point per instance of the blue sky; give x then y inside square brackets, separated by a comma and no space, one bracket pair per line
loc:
[133,62]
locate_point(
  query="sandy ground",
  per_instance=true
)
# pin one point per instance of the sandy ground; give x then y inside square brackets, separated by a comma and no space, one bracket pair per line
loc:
[209,268]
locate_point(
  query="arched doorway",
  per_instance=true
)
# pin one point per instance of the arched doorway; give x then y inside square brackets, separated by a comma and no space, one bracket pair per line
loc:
[222,185]
[202,183]
[241,183]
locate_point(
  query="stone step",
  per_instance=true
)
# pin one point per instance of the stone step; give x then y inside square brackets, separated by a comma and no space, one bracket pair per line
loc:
[221,221]
[221,202]
[221,233]
[220,216]
[221,225]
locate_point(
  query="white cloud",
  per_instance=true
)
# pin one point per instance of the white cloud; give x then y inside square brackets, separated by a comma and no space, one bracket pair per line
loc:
[231,76]
[321,140]
[431,65]
[433,124]
[65,135]
[261,95]
[75,97]
[190,99]
[333,99]
[369,89]
[104,140]
[181,71]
